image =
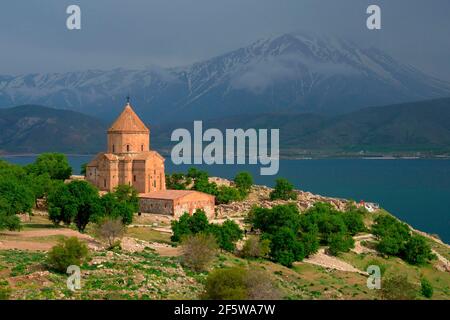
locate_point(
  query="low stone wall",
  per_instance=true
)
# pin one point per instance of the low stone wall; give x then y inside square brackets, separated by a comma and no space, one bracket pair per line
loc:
[159,206]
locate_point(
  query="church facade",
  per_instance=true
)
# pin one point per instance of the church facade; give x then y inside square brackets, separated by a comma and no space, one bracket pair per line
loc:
[129,160]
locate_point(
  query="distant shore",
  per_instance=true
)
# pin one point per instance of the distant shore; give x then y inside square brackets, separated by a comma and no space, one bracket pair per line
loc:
[282,157]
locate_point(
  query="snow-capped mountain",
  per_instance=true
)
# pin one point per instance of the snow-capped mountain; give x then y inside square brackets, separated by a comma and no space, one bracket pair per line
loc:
[290,73]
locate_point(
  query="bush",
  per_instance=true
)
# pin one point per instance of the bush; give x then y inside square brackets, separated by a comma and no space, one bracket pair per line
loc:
[283,190]
[198,251]
[426,289]
[239,284]
[398,288]
[5,290]
[69,251]
[226,284]
[111,230]
[227,194]
[254,247]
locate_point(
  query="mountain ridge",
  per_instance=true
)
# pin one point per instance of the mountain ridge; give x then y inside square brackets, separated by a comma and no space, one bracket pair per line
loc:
[287,73]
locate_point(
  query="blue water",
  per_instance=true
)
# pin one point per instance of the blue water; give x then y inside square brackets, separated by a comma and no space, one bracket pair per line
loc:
[417,191]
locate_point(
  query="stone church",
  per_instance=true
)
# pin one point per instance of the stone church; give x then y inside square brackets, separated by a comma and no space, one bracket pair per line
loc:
[130,161]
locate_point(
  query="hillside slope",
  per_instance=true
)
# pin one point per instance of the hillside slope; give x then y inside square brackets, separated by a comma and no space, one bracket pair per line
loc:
[410,127]
[33,129]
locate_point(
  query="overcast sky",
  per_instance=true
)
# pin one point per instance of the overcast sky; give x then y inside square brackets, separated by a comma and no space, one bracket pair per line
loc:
[138,33]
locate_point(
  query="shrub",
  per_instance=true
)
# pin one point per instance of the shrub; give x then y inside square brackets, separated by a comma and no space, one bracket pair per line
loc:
[283,190]
[199,251]
[227,194]
[398,288]
[69,251]
[5,290]
[260,286]
[239,284]
[254,247]
[426,289]
[111,230]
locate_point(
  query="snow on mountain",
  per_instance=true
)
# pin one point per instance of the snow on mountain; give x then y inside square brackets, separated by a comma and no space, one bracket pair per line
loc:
[287,73]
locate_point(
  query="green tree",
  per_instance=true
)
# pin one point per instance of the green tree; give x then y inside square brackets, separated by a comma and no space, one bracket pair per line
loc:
[15,197]
[392,235]
[127,194]
[114,209]
[243,181]
[417,251]
[54,164]
[285,248]
[187,225]
[353,220]
[426,289]
[227,194]
[340,242]
[270,220]
[226,234]
[177,181]
[76,202]
[283,190]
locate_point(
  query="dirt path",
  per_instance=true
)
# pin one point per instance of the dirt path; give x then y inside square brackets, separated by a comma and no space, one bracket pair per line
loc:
[326,261]
[29,239]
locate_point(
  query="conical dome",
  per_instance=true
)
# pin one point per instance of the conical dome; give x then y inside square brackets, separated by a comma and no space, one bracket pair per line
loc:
[128,121]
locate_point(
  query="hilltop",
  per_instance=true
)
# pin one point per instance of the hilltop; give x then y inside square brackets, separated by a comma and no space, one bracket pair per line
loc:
[148,267]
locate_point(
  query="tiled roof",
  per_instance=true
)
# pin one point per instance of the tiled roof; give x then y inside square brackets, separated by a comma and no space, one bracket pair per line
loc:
[170,194]
[128,121]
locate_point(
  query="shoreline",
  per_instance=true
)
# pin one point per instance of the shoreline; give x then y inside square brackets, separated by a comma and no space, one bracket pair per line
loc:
[325,157]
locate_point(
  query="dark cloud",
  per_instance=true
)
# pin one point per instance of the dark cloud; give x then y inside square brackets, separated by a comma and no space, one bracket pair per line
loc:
[138,33]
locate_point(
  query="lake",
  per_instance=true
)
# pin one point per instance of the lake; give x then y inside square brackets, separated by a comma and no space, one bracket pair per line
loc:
[415,190]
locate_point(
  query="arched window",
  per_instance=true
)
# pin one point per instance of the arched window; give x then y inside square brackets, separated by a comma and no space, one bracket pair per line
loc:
[128,148]
[142,147]
[114,149]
